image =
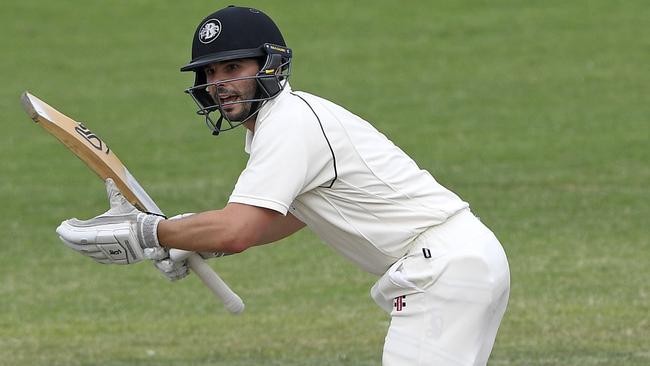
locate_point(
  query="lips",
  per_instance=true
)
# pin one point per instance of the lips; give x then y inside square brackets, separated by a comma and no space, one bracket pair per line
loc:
[227,98]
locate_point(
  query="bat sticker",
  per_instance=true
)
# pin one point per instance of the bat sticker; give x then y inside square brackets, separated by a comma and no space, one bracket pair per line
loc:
[92,139]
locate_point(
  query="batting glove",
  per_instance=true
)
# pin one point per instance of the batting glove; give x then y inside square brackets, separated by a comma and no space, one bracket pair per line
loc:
[121,235]
[174,269]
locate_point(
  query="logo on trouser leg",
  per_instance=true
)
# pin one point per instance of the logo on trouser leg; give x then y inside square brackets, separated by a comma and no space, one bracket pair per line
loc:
[399,304]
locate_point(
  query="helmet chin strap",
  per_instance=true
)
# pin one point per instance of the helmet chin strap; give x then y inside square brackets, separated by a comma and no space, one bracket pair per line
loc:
[217,126]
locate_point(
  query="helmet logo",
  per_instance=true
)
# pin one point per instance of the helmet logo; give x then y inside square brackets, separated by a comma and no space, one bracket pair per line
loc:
[210,30]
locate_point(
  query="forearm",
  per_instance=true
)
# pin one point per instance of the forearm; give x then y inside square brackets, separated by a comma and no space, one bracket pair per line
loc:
[281,227]
[209,231]
[231,230]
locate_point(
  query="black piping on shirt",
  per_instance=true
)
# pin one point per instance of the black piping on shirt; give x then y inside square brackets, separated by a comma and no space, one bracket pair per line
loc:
[326,139]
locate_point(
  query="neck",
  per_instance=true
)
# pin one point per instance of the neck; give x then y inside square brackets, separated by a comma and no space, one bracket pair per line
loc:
[250,124]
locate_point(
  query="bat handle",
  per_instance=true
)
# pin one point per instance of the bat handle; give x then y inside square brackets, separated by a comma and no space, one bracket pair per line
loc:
[231,301]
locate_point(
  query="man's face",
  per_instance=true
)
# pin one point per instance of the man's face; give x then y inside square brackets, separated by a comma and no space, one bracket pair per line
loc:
[233,91]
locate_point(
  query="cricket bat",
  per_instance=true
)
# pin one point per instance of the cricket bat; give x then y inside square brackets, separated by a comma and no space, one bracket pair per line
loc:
[102,160]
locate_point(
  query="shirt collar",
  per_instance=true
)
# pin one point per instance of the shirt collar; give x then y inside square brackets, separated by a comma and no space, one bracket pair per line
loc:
[268,105]
[264,112]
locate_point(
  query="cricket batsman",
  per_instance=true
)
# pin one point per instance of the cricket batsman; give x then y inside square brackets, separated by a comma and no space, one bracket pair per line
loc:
[442,275]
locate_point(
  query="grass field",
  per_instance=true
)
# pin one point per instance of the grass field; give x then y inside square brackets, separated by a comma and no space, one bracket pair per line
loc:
[537,113]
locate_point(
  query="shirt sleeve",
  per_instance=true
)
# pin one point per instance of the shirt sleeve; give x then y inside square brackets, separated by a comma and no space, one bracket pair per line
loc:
[287,157]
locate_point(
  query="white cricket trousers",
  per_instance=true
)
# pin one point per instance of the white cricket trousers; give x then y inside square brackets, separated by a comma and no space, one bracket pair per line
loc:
[446,296]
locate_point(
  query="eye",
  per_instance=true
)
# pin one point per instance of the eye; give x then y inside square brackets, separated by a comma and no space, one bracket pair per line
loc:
[208,71]
[232,67]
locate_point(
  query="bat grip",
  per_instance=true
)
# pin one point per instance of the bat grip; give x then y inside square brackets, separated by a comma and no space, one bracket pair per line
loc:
[231,301]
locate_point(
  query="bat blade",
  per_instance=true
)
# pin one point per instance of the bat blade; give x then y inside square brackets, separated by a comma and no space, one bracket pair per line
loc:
[90,148]
[99,158]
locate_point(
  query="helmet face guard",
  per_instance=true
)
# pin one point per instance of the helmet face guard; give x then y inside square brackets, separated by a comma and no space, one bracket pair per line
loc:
[235,33]
[270,81]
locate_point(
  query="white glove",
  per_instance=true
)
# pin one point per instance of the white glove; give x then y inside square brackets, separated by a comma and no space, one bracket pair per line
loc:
[119,236]
[174,270]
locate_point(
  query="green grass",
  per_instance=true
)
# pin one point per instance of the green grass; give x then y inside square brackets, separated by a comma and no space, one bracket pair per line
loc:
[534,112]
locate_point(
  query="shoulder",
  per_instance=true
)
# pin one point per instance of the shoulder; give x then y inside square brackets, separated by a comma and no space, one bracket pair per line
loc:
[291,114]
[291,126]
[293,104]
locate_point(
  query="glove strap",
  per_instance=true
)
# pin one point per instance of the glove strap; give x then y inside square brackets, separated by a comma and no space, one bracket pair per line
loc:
[148,233]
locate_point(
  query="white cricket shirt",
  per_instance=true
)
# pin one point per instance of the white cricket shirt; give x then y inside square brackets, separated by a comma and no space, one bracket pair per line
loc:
[346,181]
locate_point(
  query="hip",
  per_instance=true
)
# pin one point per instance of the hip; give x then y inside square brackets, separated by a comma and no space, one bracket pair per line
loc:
[461,250]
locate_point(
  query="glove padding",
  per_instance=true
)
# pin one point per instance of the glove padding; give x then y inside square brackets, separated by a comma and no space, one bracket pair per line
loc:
[174,270]
[121,235]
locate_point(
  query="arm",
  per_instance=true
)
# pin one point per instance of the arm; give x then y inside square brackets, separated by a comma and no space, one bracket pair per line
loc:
[232,229]
[282,227]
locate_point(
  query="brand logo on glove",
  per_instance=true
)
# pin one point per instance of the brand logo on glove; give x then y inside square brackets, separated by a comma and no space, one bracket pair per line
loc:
[114,251]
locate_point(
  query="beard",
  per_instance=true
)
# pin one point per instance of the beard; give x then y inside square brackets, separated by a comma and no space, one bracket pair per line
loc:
[238,111]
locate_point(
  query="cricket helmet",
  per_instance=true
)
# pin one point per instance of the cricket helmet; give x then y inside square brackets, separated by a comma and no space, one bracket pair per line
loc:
[237,33]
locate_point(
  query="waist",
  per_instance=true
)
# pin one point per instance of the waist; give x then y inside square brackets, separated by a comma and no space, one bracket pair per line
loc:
[463,223]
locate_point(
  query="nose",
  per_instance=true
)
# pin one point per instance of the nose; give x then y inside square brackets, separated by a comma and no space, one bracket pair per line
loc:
[211,89]
[215,79]
[215,84]
[212,78]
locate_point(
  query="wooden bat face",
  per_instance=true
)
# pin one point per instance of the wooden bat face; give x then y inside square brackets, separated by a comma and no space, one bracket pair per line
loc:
[91,149]
[100,158]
